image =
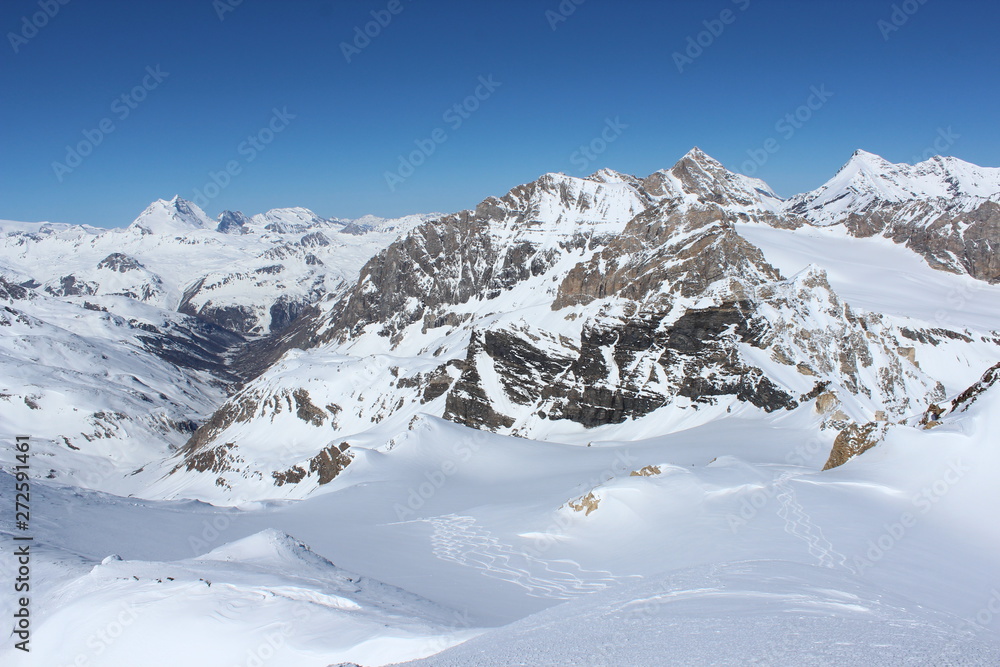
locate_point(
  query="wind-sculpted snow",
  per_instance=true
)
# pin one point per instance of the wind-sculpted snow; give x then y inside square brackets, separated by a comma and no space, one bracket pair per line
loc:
[459,540]
[266,597]
[751,613]
[721,543]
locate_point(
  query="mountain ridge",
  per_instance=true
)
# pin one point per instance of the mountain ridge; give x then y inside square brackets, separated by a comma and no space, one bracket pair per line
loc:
[565,304]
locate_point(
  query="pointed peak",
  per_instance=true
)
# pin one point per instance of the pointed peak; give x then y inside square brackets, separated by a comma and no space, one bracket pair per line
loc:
[700,157]
[173,216]
[864,162]
[862,157]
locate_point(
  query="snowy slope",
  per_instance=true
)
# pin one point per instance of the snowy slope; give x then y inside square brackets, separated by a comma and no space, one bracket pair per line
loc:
[265,597]
[743,613]
[698,177]
[176,216]
[107,386]
[738,548]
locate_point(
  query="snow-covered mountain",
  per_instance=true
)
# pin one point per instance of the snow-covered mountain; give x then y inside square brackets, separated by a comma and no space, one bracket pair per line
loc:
[868,181]
[177,216]
[569,306]
[249,275]
[783,408]
[944,209]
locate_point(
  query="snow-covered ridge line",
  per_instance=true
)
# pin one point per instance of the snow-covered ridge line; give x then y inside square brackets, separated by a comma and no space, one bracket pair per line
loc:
[868,180]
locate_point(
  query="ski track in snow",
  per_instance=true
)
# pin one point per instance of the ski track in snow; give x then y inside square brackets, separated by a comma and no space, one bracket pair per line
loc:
[799,524]
[458,539]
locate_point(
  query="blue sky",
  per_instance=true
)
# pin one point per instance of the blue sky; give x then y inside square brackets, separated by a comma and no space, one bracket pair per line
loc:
[269,93]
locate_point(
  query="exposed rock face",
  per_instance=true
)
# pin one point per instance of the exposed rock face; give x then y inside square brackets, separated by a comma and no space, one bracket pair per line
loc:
[12,292]
[853,441]
[194,345]
[233,222]
[71,286]
[330,462]
[585,504]
[240,319]
[482,253]
[959,236]
[444,263]
[325,466]
[699,175]
[963,401]
[657,350]
[119,262]
[251,404]
[284,311]
[859,438]
[666,252]
[628,368]
[314,240]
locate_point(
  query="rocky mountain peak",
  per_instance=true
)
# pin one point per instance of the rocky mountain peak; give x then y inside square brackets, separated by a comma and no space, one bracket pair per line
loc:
[232,222]
[698,177]
[174,216]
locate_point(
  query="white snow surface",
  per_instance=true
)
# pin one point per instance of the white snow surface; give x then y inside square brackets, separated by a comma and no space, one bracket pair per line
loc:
[738,549]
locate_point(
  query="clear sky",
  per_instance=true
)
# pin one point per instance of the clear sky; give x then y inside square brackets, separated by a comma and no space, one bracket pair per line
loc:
[201,95]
